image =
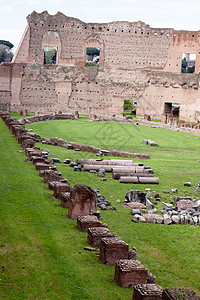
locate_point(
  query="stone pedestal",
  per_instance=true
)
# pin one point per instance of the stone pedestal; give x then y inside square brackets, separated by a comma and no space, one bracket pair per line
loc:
[113,249]
[28,143]
[82,201]
[51,175]
[52,184]
[65,199]
[95,234]
[38,159]
[41,173]
[19,130]
[85,222]
[129,273]
[147,291]
[59,188]
[22,138]
[41,166]
[34,153]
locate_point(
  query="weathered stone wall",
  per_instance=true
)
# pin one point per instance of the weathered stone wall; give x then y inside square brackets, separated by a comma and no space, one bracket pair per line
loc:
[182,42]
[137,62]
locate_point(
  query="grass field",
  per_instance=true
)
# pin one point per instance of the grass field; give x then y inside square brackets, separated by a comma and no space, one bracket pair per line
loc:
[41,250]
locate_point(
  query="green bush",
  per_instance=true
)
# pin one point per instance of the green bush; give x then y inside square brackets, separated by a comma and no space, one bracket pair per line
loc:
[128,105]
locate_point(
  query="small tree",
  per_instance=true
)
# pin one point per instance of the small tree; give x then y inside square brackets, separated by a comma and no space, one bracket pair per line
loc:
[92,52]
[184,65]
[6,54]
[128,105]
[190,69]
[7,43]
[50,56]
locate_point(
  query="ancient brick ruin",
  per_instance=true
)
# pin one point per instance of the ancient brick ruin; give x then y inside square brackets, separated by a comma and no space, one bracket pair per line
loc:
[136,62]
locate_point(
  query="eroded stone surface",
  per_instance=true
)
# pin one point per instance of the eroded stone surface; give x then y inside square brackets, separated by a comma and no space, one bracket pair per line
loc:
[85,222]
[82,201]
[128,273]
[147,291]
[113,249]
[95,234]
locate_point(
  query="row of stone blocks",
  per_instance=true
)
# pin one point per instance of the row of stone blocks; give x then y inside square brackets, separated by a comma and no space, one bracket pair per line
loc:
[129,272]
[114,251]
[70,197]
[81,200]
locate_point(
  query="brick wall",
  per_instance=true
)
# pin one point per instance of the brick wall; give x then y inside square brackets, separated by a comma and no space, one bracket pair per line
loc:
[137,62]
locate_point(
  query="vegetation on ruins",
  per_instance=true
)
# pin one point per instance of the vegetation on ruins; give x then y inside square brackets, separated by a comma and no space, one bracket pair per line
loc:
[6,54]
[91,64]
[41,250]
[128,105]
[6,43]
[92,52]
[185,68]
[92,57]
[50,55]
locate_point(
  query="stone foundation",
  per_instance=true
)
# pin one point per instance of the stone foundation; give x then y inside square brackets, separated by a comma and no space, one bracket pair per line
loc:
[82,201]
[147,291]
[51,175]
[95,234]
[128,273]
[113,249]
[60,188]
[41,166]
[85,222]
[65,197]
[38,159]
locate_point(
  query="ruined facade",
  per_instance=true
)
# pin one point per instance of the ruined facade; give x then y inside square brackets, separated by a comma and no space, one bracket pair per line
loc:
[136,62]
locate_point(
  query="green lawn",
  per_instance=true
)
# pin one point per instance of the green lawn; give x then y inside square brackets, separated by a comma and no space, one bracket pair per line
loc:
[41,250]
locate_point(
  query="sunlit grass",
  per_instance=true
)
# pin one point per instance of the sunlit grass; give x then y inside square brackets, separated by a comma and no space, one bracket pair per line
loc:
[41,250]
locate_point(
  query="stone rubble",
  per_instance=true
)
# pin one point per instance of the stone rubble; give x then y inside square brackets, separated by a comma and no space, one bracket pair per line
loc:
[183,211]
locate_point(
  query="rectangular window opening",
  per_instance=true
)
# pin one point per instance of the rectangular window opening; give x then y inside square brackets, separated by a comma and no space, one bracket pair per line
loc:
[188,63]
[92,57]
[172,109]
[50,55]
[130,107]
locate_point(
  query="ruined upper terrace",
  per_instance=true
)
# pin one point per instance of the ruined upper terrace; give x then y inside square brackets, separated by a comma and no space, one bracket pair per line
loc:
[135,62]
[122,44]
